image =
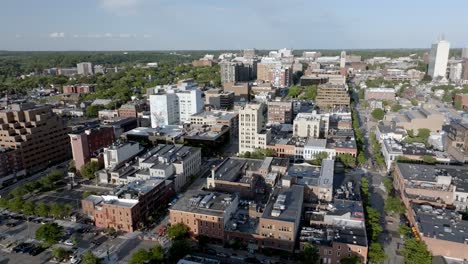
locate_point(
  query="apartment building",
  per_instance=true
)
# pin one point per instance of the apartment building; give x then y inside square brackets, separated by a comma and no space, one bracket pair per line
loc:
[39,135]
[11,164]
[280,112]
[232,72]
[332,95]
[129,206]
[120,152]
[242,91]
[252,131]
[218,118]
[205,213]
[85,68]
[313,125]
[80,89]
[132,109]
[86,143]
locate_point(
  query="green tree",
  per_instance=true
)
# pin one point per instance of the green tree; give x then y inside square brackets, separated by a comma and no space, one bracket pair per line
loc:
[60,253]
[178,250]
[16,204]
[4,202]
[396,108]
[19,191]
[294,91]
[348,160]
[202,241]
[429,159]
[311,254]
[388,183]
[424,133]
[56,210]
[178,231]
[157,254]
[458,105]
[404,230]
[414,102]
[89,258]
[361,158]
[42,209]
[394,205]
[310,92]
[142,256]
[87,193]
[376,253]
[351,260]
[89,169]
[29,207]
[378,114]
[49,233]
[416,252]
[92,110]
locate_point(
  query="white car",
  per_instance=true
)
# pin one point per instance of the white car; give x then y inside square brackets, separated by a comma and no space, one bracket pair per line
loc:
[75,260]
[68,242]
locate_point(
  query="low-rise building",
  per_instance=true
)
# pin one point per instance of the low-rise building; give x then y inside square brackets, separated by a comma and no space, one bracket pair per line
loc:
[317,180]
[217,118]
[312,125]
[457,140]
[389,131]
[129,205]
[219,99]
[420,118]
[379,94]
[332,95]
[80,89]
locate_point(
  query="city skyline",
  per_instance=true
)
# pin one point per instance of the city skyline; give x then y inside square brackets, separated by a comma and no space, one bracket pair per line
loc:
[184,25]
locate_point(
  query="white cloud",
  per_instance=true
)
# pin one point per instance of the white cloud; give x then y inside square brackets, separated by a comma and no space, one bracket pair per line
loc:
[120,7]
[147,36]
[57,35]
[123,35]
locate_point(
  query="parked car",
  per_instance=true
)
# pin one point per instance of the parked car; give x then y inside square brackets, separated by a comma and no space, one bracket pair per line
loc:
[75,259]
[11,224]
[36,250]
[68,242]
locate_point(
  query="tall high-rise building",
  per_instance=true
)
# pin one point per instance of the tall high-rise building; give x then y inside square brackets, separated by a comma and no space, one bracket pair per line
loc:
[39,135]
[252,132]
[438,59]
[85,68]
[172,107]
[343,59]
[456,70]
[232,72]
[465,69]
[465,53]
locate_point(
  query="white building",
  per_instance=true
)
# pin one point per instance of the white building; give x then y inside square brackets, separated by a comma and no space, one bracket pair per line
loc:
[438,59]
[316,146]
[465,53]
[252,132]
[174,106]
[343,59]
[311,125]
[85,68]
[119,153]
[455,72]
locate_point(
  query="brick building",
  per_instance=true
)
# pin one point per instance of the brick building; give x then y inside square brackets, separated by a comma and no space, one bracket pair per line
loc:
[39,135]
[379,94]
[83,88]
[280,112]
[86,143]
[331,95]
[11,164]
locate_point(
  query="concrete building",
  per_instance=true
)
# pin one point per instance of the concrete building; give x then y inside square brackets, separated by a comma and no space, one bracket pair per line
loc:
[242,91]
[438,59]
[465,53]
[379,94]
[218,118]
[457,140]
[219,99]
[311,125]
[81,89]
[465,69]
[128,206]
[317,180]
[132,109]
[389,131]
[107,114]
[85,68]
[11,165]
[249,53]
[40,136]
[174,107]
[330,95]
[252,132]
[232,72]
[119,153]
[455,72]
[280,112]
[86,143]
[315,146]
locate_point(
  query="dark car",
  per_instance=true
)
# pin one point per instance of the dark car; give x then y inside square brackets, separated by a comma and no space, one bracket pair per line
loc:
[11,224]
[22,248]
[36,250]
[252,260]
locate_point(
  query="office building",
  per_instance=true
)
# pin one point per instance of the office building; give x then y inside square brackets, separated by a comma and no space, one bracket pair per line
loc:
[11,165]
[252,132]
[217,118]
[343,59]
[438,59]
[457,140]
[332,95]
[86,144]
[128,206]
[219,99]
[242,91]
[280,112]
[119,152]
[232,72]
[465,53]
[465,69]
[37,133]
[85,68]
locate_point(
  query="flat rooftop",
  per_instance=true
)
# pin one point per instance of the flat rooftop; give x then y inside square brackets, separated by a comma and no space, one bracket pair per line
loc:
[193,202]
[429,173]
[232,168]
[292,204]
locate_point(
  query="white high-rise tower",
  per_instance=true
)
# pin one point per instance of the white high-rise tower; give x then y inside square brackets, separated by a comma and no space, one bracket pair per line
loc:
[465,53]
[438,59]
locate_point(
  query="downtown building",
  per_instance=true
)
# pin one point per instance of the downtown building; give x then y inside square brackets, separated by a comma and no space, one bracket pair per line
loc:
[332,95]
[252,132]
[438,59]
[85,68]
[37,135]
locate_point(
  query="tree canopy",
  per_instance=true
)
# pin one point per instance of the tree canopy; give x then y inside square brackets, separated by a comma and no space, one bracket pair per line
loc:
[178,231]
[311,254]
[416,252]
[378,114]
[49,233]
[89,169]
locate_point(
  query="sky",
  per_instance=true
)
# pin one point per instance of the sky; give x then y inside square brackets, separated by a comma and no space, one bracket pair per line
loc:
[55,25]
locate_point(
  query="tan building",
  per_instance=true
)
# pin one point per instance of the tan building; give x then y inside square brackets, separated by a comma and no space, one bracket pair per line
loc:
[203,63]
[11,164]
[242,91]
[129,206]
[40,136]
[252,132]
[461,99]
[457,140]
[280,112]
[379,94]
[132,109]
[420,118]
[311,125]
[217,118]
[205,213]
[332,95]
